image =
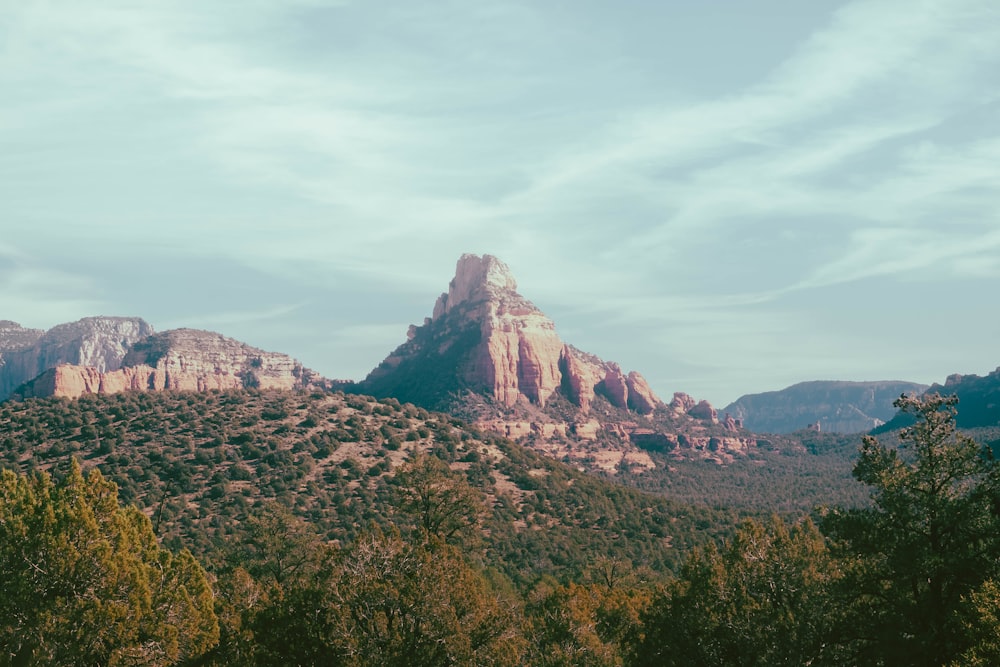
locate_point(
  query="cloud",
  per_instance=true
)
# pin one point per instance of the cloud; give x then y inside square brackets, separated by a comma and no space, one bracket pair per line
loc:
[879,73]
[892,251]
[225,319]
[39,296]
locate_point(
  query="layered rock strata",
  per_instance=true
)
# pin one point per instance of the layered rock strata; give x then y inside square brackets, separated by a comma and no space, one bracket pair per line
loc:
[485,337]
[97,342]
[181,359]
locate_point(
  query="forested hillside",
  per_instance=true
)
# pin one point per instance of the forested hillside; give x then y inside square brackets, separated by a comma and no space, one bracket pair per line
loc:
[199,463]
[341,530]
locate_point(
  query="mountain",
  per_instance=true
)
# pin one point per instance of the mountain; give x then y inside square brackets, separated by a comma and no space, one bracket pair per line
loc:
[100,343]
[978,401]
[490,355]
[837,407]
[486,338]
[103,355]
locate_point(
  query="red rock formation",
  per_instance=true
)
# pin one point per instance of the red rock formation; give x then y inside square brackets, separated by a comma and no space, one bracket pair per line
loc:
[731,423]
[182,359]
[514,353]
[579,377]
[682,403]
[614,386]
[640,396]
[705,412]
[99,342]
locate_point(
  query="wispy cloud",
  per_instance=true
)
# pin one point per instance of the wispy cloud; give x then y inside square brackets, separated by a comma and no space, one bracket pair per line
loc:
[226,319]
[891,251]
[322,143]
[39,296]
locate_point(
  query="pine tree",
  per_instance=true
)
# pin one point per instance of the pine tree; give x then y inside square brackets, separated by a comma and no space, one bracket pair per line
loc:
[761,600]
[83,581]
[931,539]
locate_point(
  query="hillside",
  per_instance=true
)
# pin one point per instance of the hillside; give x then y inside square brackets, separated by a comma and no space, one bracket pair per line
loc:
[827,406]
[198,462]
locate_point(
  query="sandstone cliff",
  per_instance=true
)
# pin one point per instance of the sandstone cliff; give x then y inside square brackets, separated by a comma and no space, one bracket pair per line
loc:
[183,359]
[484,336]
[98,342]
[490,355]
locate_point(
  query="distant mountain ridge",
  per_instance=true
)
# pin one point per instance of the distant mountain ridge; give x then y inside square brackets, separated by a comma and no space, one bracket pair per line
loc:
[978,401]
[832,406]
[107,355]
[100,343]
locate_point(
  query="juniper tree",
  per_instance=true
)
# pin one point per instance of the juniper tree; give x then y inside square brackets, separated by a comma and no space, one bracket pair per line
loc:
[930,539]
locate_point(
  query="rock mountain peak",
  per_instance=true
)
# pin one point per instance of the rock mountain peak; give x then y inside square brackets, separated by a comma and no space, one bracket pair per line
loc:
[485,337]
[476,279]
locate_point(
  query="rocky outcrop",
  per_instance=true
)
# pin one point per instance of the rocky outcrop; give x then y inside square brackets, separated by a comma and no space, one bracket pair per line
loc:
[15,337]
[198,360]
[485,337]
[705,412]
[97,342]
[640,396]
[181,359]
[489,355]
[682,403]
[830,406]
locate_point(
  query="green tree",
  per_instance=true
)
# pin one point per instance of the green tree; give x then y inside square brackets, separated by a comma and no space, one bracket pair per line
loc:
[438,500]
[267,567]
[761,600]
[391,602]
[83,581]
[980,616]
[930,540]
[583,624]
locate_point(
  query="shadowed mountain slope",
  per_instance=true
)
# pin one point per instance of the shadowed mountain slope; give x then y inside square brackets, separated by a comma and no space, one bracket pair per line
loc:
[832,406]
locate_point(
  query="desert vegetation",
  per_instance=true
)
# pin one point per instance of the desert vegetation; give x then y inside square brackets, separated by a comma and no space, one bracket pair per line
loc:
[260,528]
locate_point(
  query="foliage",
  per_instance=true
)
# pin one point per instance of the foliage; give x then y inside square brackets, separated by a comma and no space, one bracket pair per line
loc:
[202,463]
[594,623]
[931,540]
[441,503]
[387,601]
[341,530]
[761,600]
[84,583]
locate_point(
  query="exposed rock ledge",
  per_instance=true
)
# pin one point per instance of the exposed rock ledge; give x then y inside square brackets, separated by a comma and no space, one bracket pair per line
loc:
[182,359]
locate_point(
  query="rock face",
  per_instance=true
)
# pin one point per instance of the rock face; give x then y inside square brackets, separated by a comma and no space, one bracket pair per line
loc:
[837,407]
[183,359]
[978,401]
[484,337]
[97,342]
[489,355]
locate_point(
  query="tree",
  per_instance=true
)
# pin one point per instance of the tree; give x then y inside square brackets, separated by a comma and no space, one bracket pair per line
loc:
[761,600]
[274,558]
[931,539]
[391,602]
[83,581]
[442,504]
[583,624]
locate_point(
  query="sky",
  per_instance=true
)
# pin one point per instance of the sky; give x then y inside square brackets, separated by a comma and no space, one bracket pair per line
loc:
[729,197]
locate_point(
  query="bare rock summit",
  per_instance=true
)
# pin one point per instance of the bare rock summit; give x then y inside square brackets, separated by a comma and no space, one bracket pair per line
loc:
[484,337]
